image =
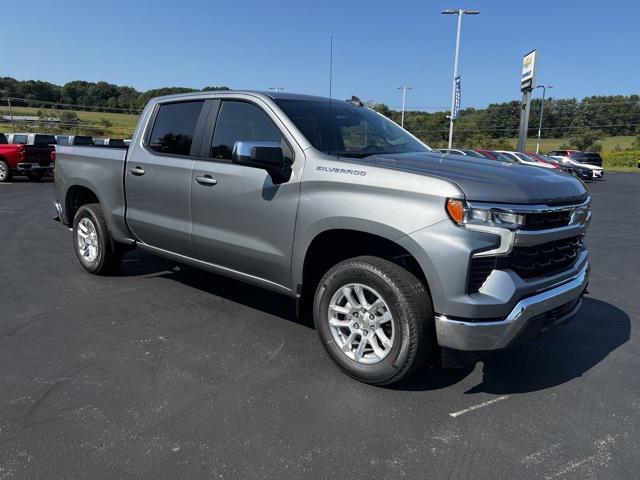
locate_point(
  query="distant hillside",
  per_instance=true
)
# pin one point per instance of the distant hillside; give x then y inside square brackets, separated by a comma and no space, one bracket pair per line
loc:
[101,94]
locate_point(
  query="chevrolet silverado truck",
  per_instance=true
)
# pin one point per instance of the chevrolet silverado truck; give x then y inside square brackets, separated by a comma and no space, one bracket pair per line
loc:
[29,154]
[400,252]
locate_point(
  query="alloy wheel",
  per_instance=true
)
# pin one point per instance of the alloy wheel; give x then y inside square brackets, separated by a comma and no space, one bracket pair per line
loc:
[361,323]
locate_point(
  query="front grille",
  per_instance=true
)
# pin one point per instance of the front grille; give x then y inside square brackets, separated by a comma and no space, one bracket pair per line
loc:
[528,262]
[544,259]
[546,220]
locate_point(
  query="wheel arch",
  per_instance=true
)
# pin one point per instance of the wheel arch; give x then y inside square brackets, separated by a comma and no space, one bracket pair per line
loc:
[333,245]
[76,196]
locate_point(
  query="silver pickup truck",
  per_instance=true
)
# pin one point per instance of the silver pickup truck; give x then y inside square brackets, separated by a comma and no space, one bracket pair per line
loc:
[399,251]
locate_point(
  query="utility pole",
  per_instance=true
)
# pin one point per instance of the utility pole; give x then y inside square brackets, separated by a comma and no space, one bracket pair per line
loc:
[11,115]
[544,92]
[404,97]
[460,13]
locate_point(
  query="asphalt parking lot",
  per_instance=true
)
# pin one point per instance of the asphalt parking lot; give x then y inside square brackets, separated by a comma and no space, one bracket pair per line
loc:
[165,371]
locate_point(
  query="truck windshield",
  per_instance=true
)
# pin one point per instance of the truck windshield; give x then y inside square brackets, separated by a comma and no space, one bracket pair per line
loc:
[340,128]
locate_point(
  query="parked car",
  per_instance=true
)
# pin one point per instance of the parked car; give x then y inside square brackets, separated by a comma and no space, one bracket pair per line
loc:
[109,142]
[75,140]
[466,152]
[399,252]
[552,161]
[493,155]
[62,139]
[583,170]
[526,159]
[592,158]
[589,158]
[29,154]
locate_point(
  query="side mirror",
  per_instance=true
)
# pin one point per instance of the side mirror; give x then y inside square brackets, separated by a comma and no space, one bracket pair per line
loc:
[266,155]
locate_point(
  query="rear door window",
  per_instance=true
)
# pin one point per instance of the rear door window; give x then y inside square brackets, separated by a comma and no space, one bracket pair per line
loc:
[19,139]
[241,121]
[175,127]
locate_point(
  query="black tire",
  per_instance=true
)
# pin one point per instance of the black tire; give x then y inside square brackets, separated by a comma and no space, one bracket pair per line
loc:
[408,302]
[109,255]
[5,171]
[35,176]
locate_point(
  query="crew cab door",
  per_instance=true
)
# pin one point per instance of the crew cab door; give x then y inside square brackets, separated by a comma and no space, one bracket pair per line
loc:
[242,220]
[158,176]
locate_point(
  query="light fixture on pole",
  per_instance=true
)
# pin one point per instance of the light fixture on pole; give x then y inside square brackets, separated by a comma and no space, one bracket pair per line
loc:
[404,97]
[544,92]
[460,13]
[276,89]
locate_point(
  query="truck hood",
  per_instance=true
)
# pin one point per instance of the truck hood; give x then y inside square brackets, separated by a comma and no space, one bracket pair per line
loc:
[489,180]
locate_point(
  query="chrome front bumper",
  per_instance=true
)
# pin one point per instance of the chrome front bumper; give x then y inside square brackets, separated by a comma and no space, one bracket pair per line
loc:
[493,335]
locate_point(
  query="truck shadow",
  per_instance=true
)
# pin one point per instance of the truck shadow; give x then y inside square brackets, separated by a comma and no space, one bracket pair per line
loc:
[140,263]
[561,355]
[558,357]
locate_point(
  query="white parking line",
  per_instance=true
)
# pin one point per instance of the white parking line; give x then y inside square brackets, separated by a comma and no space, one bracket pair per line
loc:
[476,407]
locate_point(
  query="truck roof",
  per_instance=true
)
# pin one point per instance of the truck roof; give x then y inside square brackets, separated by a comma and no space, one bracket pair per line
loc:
[269,94]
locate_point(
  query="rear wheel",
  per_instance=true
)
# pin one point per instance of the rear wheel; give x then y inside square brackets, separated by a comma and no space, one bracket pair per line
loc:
[5,172]
[374,319]
[92,241]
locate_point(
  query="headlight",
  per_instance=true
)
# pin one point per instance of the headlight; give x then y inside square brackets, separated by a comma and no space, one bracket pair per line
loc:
[463,214]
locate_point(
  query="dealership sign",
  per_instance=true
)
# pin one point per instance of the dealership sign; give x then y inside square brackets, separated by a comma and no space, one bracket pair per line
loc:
[528,71]
[456,104]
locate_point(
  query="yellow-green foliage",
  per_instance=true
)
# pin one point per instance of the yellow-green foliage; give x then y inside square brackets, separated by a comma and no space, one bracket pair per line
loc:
[621,158]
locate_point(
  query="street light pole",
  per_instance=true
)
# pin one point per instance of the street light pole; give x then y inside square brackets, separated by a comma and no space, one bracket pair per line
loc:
[544,92]
[460,13]
[404,97]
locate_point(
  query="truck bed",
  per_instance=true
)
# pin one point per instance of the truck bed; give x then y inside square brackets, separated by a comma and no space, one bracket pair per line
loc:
[102,171]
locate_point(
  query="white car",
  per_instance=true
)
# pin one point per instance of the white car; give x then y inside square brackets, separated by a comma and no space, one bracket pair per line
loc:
[597,172]
[525,159]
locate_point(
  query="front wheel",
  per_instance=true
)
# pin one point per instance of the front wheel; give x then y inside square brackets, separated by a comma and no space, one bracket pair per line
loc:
[92,241]
[375,319]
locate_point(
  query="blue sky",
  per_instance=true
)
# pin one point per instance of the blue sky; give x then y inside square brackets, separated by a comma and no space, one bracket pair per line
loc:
[586,47]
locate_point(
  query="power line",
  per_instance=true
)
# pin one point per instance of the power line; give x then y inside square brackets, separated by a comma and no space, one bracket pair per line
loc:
[89,107]
[51,123]
[491,129]
[555,106]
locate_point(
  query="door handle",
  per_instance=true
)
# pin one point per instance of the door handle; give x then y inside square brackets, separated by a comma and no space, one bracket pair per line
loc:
[137,171]
[207,180]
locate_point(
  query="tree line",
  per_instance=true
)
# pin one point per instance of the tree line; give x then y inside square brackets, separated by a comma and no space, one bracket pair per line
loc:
[100,95]
[586,119]
[602,115]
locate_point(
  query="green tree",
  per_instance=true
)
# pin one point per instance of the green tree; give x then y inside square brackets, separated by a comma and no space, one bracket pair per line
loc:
[67,116]
[586,140]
